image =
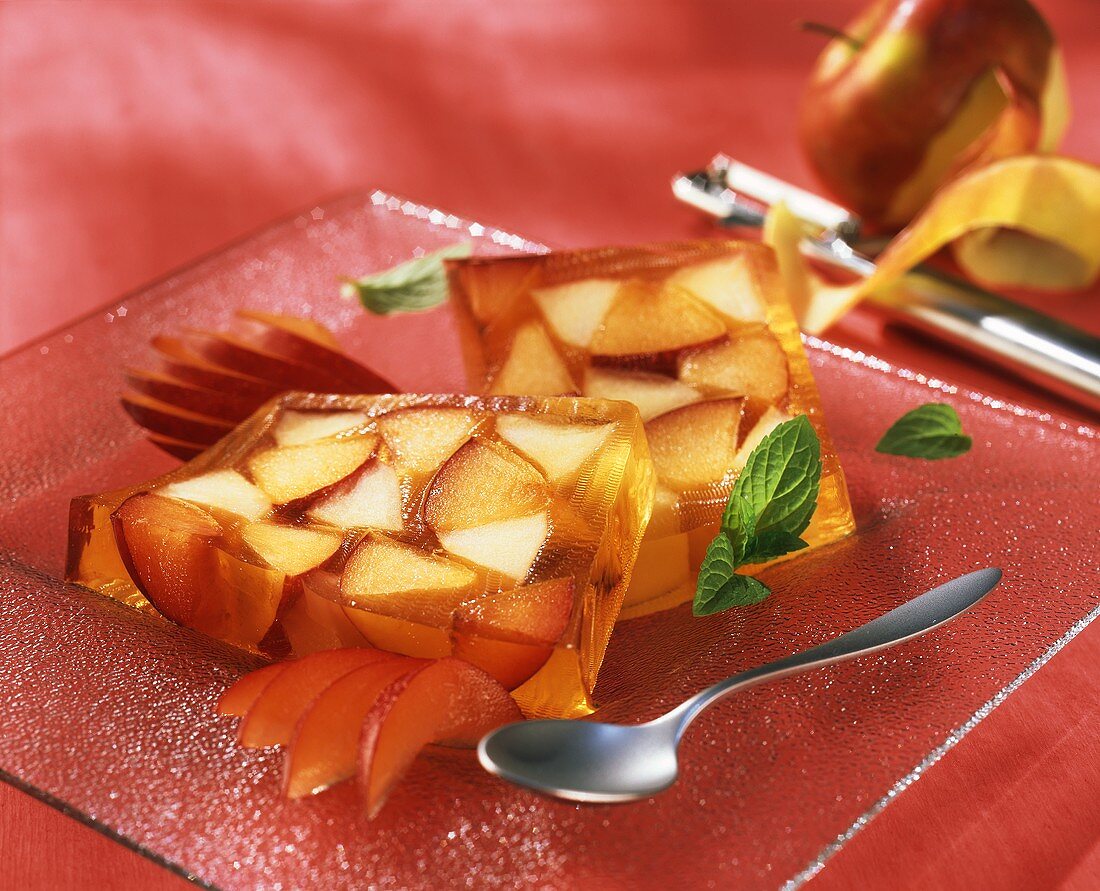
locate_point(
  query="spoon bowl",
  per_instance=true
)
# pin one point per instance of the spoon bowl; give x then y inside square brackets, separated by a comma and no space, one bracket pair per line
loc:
[583,760]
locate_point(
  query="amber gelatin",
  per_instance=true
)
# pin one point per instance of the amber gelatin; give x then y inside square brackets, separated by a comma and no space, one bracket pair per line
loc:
[502,529]
[698,335]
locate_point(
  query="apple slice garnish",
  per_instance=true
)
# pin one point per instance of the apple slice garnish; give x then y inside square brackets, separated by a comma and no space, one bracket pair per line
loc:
[179,448]
[183,363]
[447,701]
[653,394]
[223,490]
[324,749]
[307,344]
[264,355]
[423,438]
[533,367]
[694,446]
[510,635]
[647,319]
[727,285]
[288,473]
[558,448]
[751,364]
[291,549]
[190,397]
[272,717]
[302,328]
[168,420]
[489,506]
[300,427]
[575,310]
[240,355]
[238,698]
[369,499]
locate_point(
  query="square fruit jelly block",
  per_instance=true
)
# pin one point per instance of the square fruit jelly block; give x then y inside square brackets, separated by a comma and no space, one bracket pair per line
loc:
[498,529]
[698,335]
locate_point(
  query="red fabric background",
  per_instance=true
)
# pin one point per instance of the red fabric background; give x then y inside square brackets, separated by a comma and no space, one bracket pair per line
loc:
[136,135]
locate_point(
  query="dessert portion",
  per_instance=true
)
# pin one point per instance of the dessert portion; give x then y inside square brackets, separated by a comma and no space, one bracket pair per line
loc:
[498,529]
[699,336]
[207,382]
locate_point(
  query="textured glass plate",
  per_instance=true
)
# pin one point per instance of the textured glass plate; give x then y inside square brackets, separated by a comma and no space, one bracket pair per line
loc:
[108,714]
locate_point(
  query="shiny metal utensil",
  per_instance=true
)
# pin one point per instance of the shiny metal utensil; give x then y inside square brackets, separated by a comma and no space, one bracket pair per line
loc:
[590,761]
[1045,351]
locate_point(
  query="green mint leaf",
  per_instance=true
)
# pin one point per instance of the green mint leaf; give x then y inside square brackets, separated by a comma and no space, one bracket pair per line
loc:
[770,545]
[780,481]
[719,586]
[739,526]
[769,508]
[931,431]
[412,286]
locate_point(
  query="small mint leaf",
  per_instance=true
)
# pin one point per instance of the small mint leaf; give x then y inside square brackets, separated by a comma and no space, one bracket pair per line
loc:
[781,479]
[412,286]
[738,524]
[719,587]
[770,545]
[931,431]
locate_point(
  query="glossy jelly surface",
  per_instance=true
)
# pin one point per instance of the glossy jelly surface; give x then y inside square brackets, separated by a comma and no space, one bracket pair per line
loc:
[499,529]
[698,335]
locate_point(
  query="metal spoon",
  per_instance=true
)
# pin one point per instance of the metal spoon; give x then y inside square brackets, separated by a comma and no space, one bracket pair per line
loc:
[590,761]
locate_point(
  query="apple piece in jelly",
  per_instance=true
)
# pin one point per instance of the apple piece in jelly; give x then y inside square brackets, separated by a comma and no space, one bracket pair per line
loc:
[653,394]
[533,367]
[422,439]
[648,319]
[222,490]
[369,499]
[559,449]
[510,635]
[726,285]
[694,446]
[488,505]
[401,598]
[170,549]
[288,473]
[575,311]
[300,427]
[752,364]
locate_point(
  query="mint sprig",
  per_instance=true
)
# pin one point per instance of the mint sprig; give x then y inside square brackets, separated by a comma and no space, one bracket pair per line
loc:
[412,286]
[931,431]
[768,510]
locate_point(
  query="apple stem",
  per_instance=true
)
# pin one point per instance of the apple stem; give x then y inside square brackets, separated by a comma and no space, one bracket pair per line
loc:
[829,31]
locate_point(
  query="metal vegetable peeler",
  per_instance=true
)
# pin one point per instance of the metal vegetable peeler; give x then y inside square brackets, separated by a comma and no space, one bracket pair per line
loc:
[1047,352]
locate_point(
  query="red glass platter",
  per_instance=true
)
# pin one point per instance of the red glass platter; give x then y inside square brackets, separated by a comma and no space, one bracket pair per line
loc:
[109,715]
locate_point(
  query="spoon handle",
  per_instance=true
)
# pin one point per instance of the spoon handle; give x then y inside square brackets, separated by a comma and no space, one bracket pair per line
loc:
[911,619]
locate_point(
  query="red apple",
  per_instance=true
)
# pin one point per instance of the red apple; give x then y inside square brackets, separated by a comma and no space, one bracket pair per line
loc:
[913,91]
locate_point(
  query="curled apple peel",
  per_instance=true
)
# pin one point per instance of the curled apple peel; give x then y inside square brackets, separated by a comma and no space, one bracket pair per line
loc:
[1027,222]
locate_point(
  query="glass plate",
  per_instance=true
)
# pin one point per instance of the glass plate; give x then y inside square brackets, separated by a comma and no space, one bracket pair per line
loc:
[108,714]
